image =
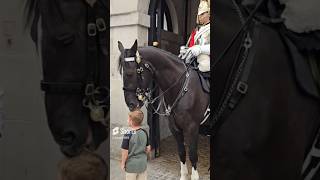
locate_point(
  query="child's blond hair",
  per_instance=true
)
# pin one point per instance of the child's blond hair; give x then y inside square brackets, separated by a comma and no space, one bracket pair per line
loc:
[136,116]
[86,166]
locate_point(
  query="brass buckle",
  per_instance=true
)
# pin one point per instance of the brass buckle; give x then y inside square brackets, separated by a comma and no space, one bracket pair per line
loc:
[92,30]
[242,87]
[101,25]
[89,89]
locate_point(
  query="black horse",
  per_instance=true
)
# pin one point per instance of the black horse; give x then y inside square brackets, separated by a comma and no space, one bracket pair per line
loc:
[74,45]
[185,101]
[265,122]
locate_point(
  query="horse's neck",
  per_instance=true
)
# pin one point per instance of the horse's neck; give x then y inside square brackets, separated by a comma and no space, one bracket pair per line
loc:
[167,70]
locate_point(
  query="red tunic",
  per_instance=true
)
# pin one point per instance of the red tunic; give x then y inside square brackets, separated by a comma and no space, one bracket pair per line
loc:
[191,42]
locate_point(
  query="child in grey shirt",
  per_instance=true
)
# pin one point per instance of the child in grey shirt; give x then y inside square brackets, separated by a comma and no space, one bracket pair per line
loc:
[135,147]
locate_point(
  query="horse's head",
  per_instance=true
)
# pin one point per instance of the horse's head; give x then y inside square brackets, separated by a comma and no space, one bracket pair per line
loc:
[75,85]
[136,76]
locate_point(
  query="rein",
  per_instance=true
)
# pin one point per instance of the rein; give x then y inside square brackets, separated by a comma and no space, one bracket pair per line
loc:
[235,37]
[238,77]
[181,93]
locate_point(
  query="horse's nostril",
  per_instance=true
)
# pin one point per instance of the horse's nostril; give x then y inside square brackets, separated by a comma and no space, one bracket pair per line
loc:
[67,138]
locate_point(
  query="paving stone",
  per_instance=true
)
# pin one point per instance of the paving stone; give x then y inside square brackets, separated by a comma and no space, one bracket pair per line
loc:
[167,166]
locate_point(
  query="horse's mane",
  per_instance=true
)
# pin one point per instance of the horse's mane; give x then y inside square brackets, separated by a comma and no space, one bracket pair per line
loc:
[150,49]
[168,54]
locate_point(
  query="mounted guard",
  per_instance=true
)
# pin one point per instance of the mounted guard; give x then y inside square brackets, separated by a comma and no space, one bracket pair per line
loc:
[198,45]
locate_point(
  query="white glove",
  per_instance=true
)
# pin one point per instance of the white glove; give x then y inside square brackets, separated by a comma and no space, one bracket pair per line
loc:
[194,51]
[183,50]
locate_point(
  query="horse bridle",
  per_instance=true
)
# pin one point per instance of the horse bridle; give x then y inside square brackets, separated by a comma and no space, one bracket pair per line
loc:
[239,86]
[144,94]
[95,95]
[242,28]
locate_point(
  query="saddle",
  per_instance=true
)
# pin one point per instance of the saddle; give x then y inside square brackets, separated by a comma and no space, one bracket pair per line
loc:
[204,80]
[302,38]
[204,77]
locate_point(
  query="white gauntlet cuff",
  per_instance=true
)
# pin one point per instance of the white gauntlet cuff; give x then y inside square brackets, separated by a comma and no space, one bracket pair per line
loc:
[205,49]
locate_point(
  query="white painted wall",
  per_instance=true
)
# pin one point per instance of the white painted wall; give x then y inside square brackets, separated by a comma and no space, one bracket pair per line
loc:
[27,149]
[129,21]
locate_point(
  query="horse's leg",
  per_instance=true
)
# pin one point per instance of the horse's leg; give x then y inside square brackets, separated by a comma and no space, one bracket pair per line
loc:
[193,152]
[178,135]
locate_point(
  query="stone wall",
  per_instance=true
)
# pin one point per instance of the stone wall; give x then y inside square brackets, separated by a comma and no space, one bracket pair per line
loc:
[27,149]
[128,21]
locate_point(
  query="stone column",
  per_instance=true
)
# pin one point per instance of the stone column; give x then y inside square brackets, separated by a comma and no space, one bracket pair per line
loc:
[129,20]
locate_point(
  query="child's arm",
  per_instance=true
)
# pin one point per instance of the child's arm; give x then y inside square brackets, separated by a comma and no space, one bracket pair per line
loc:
[148,149]
[124,157]
[124,150]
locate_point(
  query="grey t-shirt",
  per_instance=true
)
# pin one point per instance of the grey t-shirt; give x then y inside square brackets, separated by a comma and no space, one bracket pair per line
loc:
[136,143]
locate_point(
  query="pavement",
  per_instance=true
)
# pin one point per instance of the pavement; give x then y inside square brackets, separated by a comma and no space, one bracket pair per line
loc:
[167,165]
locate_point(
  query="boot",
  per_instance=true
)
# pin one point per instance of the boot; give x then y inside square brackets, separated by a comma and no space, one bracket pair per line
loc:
[206,76]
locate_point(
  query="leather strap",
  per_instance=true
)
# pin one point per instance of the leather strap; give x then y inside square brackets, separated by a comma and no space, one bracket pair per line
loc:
[311,164]
[242,85]
[62,87]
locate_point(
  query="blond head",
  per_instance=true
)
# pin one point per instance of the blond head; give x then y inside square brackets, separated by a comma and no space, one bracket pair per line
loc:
[136,116]
[86,166]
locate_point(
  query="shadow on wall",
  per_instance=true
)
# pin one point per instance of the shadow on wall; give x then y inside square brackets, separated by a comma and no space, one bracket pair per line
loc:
[1,113]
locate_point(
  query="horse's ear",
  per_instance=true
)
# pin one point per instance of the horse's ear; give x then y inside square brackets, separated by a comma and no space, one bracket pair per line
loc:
[135,46]
[120,46]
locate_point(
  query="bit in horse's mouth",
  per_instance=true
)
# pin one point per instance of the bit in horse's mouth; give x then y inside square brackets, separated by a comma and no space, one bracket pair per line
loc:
[134,108]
